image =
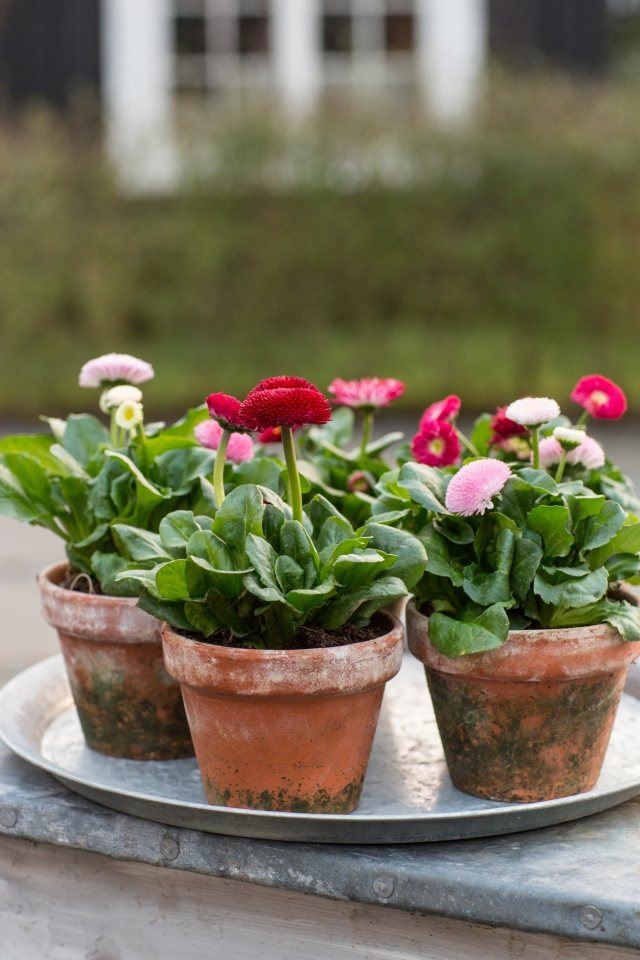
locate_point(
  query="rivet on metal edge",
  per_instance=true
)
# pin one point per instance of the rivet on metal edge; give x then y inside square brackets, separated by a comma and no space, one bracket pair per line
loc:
[383,887]
[169,848]
[8,817]
[590,917]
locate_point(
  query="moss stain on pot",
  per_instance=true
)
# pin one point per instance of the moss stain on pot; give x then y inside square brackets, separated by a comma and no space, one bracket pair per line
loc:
[127,710]
[287,799]
[538,738]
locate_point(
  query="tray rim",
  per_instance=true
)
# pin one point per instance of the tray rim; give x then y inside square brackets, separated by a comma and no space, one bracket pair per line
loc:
[525,816]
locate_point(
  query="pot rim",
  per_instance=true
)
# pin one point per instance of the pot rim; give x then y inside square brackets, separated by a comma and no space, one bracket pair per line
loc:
[94,617]
[233,671]
[48,581]
[529,656]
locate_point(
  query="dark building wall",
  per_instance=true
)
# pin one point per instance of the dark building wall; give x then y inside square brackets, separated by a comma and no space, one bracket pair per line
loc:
[564,33]
[49,49]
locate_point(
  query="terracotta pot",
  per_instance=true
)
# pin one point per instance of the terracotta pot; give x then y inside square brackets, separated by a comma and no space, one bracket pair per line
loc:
[127,703]
[530,720]
[284,729]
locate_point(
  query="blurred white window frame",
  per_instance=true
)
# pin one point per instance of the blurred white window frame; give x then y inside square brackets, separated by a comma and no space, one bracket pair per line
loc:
[137,57]
[142,67]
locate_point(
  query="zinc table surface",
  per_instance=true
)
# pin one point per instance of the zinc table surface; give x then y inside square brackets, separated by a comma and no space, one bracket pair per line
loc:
[578,881]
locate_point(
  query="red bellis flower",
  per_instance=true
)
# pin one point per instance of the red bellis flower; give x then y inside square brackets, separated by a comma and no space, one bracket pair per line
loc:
[436,444]
[600,397]
[284,402]
[225,409]
[503,428]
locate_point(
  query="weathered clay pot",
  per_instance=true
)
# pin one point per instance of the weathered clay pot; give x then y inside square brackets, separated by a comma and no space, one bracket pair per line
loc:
[530,720]
[127,703]
[284,729]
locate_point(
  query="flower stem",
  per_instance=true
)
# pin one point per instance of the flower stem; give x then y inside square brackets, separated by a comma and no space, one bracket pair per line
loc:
[113,428]
[292,470]
[535,447]
[561,466]
[218,467]
[582,419]
[473,450]
[367,431]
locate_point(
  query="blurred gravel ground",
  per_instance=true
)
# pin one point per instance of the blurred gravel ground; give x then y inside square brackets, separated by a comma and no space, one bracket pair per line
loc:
[26,638]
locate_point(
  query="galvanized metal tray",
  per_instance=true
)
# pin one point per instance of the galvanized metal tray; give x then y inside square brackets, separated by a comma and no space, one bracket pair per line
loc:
[407,796]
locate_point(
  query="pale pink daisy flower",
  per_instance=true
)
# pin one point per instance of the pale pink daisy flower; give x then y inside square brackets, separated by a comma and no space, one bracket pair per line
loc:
[475,485]
[589,454]
[532,411]
[112,368]
[239,449]
[550,452]
[368,393]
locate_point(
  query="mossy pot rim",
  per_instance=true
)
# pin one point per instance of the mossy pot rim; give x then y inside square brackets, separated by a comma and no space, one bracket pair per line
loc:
[90,616]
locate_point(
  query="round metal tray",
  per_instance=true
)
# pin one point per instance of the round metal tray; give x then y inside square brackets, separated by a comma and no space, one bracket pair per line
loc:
[407,796]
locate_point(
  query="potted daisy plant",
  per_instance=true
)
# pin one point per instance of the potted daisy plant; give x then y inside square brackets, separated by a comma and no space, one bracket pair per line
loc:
[87,480]
[273,623]
[522,619]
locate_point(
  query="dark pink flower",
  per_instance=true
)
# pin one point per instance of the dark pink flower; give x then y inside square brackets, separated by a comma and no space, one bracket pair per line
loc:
[358,482]
[600,397]
[225,409]
[369,393]
[272,435]
[503,428]
[447,409]
[436,444]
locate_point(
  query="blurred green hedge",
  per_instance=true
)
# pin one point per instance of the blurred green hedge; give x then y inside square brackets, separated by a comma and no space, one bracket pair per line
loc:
[493,263]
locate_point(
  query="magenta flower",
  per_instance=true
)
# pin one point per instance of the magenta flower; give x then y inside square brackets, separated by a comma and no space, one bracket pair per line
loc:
[446,409]
[369,393]
[436,444]
[114,368]
[209,433]
[475,485]
[600,397]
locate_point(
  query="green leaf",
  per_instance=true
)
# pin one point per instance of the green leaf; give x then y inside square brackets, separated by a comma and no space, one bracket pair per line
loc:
[179,469]
[172,613]
[263,558]
[475,633]
[527,555]
[601,528]
[454,529]
[554,526]
[411,557]
[202,576]
[540,480]
[36,445]
[626,540]
[620,614]
[306,600]
[138,544]
[13,501]
[171,580]
[354,570]
[175,530]
[296,543]
[566,591]
[106,567]
[147,496]
[334,530]
[84,437]
[364,602]
[425,485]
[239,515]
[440,562]
[289,574]
[481,434]
[490,587]
[266,593]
